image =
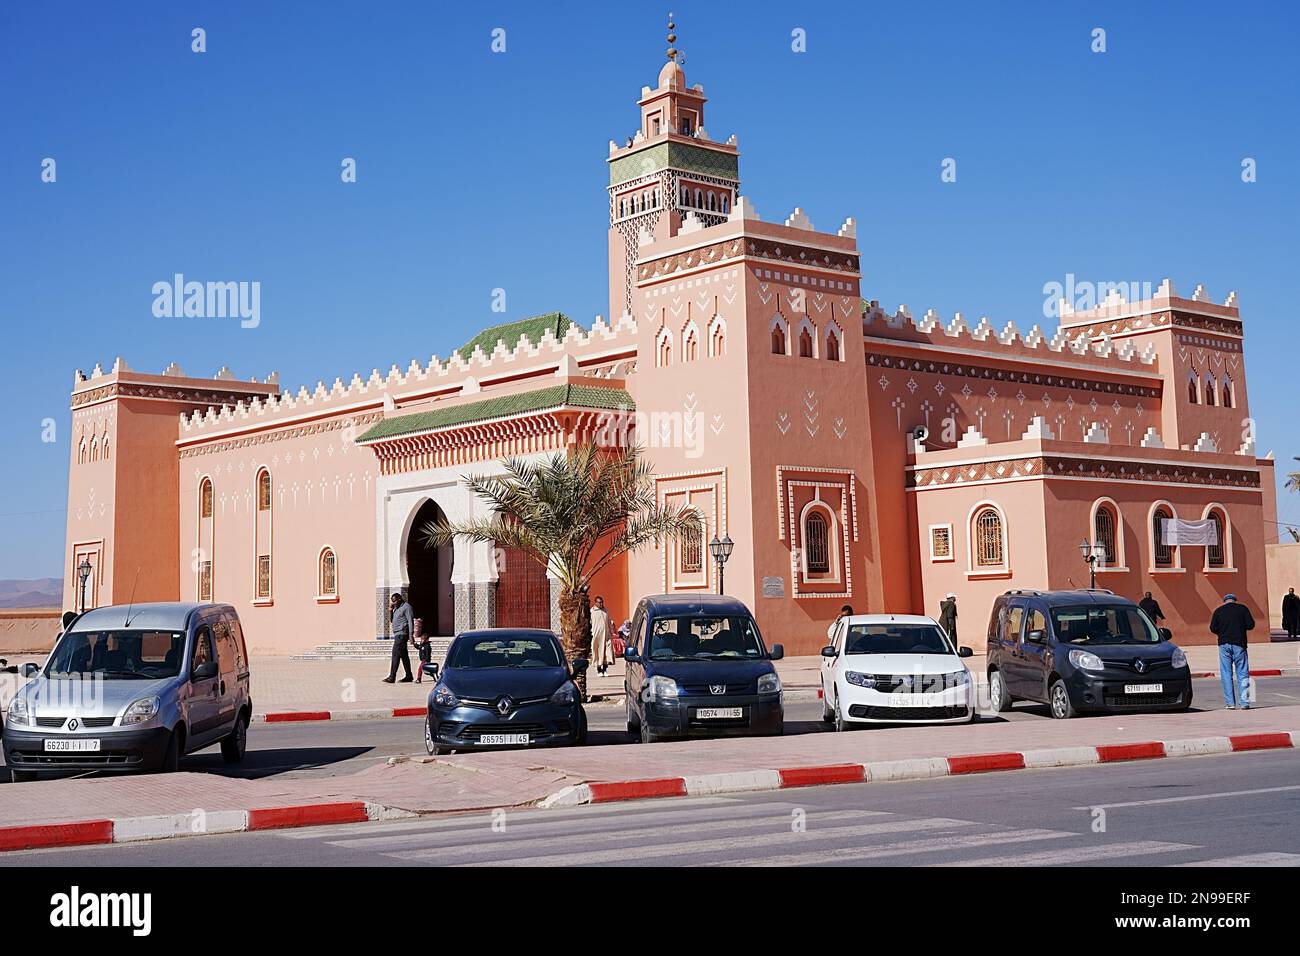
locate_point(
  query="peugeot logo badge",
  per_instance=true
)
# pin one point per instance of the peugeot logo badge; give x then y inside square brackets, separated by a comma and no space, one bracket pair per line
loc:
[72,724]
[717,690]
[503,705]
[1140,666]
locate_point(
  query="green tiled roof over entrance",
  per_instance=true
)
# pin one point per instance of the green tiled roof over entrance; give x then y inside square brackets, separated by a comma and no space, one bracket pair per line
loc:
[684,156]
[511,332]
[503,406]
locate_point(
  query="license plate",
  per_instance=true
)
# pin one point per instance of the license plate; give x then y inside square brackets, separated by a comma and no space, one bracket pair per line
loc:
[913,700]
[718,713]
[1143,688]
[80,745]
[503,740]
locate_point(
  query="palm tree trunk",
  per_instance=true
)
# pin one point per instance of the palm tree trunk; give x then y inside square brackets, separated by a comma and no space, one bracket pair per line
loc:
[575,630]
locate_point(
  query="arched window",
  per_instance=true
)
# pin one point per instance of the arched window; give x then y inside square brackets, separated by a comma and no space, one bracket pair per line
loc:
[817,543]
[1227,393]
[686,201]
[1192,394]
[1162,555]
[105,447]
[1214,553]
[832,346]
[664,353]
[699,199]
[262,537]
[81,452]
[1104,535]
[1209,390]
[203,546]
[726,203]
[987,534]
[94,448]
[205,498]
[691,347]
[690,551]
[718,338]
[329,574]
[778,340]
[805,344]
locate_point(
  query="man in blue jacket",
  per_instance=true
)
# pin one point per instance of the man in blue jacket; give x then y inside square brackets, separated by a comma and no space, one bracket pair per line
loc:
[1230,623]
[403,622]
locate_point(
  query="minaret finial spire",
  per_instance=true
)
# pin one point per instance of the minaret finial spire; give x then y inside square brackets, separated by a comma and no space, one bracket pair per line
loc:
[672,38]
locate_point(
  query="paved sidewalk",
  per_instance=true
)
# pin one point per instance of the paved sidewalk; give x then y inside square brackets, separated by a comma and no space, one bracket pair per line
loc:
[134,807]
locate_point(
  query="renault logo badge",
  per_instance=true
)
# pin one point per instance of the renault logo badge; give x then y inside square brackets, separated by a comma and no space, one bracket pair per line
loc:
[503,705]
[1140,666]
[72,724]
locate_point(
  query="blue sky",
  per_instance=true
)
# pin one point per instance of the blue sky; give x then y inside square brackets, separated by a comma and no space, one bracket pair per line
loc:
[479,171]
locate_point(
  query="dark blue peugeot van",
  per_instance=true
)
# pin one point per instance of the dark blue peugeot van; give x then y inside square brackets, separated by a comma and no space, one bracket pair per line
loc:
[697,667]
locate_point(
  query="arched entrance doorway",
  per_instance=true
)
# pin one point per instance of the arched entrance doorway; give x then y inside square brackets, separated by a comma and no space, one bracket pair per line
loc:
[429,572]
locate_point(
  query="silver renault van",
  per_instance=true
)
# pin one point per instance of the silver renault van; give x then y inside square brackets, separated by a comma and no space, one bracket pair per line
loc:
[133,687]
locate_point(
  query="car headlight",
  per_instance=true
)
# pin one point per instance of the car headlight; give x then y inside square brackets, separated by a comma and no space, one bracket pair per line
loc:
[858,679]
[663,687]
[444,697]
[1180,659]
[142,711]
[565,694]
[19,713]
[959,678]
[1086,660]
[769,684]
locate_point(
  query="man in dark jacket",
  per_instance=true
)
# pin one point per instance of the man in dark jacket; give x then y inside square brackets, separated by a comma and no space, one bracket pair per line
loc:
[948,616]
[1230,623]
[1152,607]
[403,622]
[1291,614]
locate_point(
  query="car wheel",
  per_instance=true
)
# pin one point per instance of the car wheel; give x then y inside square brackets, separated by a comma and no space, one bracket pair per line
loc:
[233,747]
[22,776]
[633,722]
[999,698]
[828,715]
[646,736]
[172,755]
[841,724]
[581,738]
[1059,701]
[429,746]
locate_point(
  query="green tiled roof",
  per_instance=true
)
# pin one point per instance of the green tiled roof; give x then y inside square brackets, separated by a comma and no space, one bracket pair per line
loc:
[674,155]
[502,406]
[511,332]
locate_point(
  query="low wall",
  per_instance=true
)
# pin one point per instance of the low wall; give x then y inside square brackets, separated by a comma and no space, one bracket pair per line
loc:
[28,630]
[1283,572]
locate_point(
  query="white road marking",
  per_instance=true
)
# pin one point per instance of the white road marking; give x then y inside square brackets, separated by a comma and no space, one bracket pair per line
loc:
[1077,854]
[1187,798]
[901,848]
[667,847]
[1251,859]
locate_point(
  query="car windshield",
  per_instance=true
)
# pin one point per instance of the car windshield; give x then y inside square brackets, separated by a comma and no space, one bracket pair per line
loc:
[481,653]
[118,655]
[1103,624]
[895,639]
[705,638]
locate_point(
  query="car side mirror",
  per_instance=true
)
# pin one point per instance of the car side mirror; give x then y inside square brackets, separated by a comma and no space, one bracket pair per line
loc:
[965,652]
[580,665]
[1165,634]
[630,654]
[777,652]
[1036,637]
[829,651]
[430,668]
[31,670]
[206,670]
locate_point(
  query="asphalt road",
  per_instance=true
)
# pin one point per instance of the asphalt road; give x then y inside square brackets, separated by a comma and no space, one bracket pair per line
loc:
[1236,810]
[330,748]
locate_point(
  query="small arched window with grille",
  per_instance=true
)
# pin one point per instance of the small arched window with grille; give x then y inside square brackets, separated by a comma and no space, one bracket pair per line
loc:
[1104,536]
[817,543]
[1162,554]
[329,574]
[205,498]
[990,547]
[690,551]
[1214,553]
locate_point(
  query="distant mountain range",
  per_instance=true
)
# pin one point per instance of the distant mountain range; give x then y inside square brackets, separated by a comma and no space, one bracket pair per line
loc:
[35,592]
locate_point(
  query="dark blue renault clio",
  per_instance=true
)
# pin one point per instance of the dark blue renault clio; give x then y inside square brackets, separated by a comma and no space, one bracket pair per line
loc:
[504,687]
[697,667]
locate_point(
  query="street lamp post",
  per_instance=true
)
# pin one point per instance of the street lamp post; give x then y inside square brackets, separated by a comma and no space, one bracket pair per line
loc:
[83,572]
[720,551]
[1092,554]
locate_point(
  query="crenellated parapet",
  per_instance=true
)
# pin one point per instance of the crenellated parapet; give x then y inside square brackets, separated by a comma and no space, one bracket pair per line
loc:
[577,350]
[1063,348]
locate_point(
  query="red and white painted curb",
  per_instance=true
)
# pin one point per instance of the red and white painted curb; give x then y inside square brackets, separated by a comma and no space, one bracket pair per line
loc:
[296,716]
[193,823]
[916,768]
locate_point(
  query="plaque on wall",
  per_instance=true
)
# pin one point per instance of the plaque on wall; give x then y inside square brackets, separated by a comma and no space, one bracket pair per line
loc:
[774,587]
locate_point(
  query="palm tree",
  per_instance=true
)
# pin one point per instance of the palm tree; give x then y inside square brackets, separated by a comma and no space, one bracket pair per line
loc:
[573,513]
[1293,479]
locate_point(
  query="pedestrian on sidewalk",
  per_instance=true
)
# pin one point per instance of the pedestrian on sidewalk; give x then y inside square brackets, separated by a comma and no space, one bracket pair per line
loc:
[948,616]
[845,611]
[1152,607]
[1230,623]
[423,648]
[402,624]
[602,637]
[1291,614]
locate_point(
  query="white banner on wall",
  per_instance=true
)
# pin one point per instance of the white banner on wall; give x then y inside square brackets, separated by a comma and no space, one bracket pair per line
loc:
[1180,531]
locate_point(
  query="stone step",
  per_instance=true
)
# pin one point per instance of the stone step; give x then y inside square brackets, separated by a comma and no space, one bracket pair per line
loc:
[365,650]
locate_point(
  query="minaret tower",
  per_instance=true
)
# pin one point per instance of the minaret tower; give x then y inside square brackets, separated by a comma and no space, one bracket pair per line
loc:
[668,177]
